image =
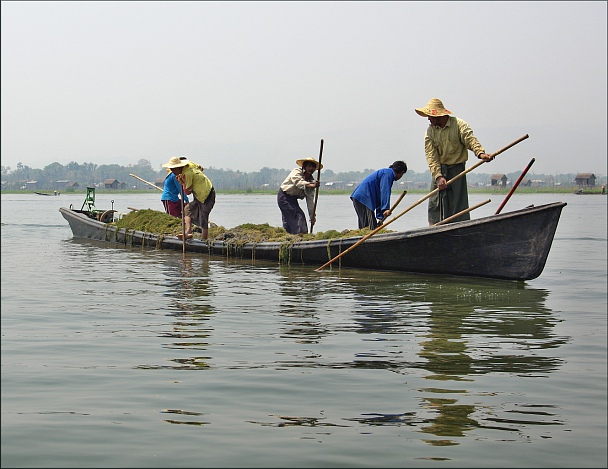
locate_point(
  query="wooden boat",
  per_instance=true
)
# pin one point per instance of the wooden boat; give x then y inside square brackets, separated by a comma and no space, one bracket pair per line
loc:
[580,192]
[47,193]
[507,246]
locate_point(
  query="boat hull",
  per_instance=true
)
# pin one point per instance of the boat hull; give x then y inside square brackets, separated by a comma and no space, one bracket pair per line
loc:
[509,246]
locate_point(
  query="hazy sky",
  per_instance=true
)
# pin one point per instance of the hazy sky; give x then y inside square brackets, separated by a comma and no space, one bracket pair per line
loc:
[243,85]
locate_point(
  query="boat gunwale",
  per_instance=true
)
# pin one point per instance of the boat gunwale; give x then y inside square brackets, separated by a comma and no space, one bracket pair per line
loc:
[379,237]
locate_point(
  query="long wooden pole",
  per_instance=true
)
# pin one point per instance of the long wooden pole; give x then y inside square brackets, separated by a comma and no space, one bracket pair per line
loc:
[398,200]
[419,202]
[515,186]
[392,209]
[149,183]
[314,210]
[466,210]
[183,224]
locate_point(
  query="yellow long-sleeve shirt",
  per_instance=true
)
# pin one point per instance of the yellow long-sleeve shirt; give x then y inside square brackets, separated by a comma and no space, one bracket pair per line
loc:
[449,145]
[196,181]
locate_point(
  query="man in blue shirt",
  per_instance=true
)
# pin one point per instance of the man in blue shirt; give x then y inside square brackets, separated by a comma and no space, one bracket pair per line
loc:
[372,198]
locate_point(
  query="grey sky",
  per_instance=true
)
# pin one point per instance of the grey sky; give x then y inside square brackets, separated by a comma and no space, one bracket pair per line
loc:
[243,85]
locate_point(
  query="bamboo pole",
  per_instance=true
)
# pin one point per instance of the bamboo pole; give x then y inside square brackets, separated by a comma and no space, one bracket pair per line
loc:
[143,180]
[392,209]
[314,210]
[466,210]
[515,186]
[183,224]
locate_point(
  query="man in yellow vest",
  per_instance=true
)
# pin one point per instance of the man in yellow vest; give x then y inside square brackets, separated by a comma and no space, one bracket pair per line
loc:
[195,182]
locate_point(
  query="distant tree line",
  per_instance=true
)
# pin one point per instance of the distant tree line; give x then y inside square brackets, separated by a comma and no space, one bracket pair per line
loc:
[92,175]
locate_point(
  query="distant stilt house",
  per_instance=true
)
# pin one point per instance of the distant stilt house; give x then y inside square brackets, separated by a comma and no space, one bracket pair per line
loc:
[334,185]
[585,180]
[64,184]
[526,183]
[31,185]
[114,184]
[60,185]
[160,182]
[498,180]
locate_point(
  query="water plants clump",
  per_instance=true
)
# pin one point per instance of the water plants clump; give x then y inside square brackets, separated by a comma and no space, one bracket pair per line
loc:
[151,221]
[154,221]
[249,233]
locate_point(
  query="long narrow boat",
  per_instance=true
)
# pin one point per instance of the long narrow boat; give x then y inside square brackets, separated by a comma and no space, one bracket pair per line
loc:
[46,193]
[507,246]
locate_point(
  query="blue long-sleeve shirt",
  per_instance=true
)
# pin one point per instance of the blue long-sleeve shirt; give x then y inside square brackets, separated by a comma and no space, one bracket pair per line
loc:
[172,189]
[375,191]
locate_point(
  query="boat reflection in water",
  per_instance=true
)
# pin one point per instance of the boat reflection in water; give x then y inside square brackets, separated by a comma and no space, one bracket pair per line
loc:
[478,336]
[492,332]
[462,349]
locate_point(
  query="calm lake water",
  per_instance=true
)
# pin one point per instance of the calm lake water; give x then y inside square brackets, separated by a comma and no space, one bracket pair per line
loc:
[123,357]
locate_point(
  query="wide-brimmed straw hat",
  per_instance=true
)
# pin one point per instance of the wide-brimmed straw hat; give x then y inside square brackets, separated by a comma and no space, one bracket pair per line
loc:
[309,160]
[176,162]
[434,108]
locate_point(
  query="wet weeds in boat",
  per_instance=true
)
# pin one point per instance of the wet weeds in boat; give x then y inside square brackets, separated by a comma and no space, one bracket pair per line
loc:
[154,221]
[151,221]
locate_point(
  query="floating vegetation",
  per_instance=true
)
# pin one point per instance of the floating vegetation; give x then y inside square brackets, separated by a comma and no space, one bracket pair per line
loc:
[163,224]
[250,233]
[151,221]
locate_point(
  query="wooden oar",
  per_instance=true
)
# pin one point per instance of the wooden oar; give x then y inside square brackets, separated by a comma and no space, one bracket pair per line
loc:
[515,186]
[466,210]
[149,183]
[420,201]
[392,209]
[183,224]
[314,210]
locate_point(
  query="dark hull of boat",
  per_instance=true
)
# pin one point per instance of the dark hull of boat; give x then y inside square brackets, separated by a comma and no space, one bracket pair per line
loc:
[508,246]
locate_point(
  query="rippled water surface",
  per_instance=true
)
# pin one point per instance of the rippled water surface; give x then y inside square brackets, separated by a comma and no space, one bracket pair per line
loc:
[123,357]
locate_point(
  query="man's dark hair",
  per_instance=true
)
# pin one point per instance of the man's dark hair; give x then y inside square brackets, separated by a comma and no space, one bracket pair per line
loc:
[399,167]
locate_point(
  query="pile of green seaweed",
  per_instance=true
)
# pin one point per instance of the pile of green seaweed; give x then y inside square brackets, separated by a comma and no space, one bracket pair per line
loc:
[154,221]
[150,221]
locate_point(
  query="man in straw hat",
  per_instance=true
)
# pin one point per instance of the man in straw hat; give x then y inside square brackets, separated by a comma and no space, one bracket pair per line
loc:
[172,191]
[191,177]
[372,198]
[446,143]
[300,184]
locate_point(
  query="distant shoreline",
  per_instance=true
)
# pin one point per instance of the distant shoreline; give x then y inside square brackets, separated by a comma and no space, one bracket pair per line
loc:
[522,190]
